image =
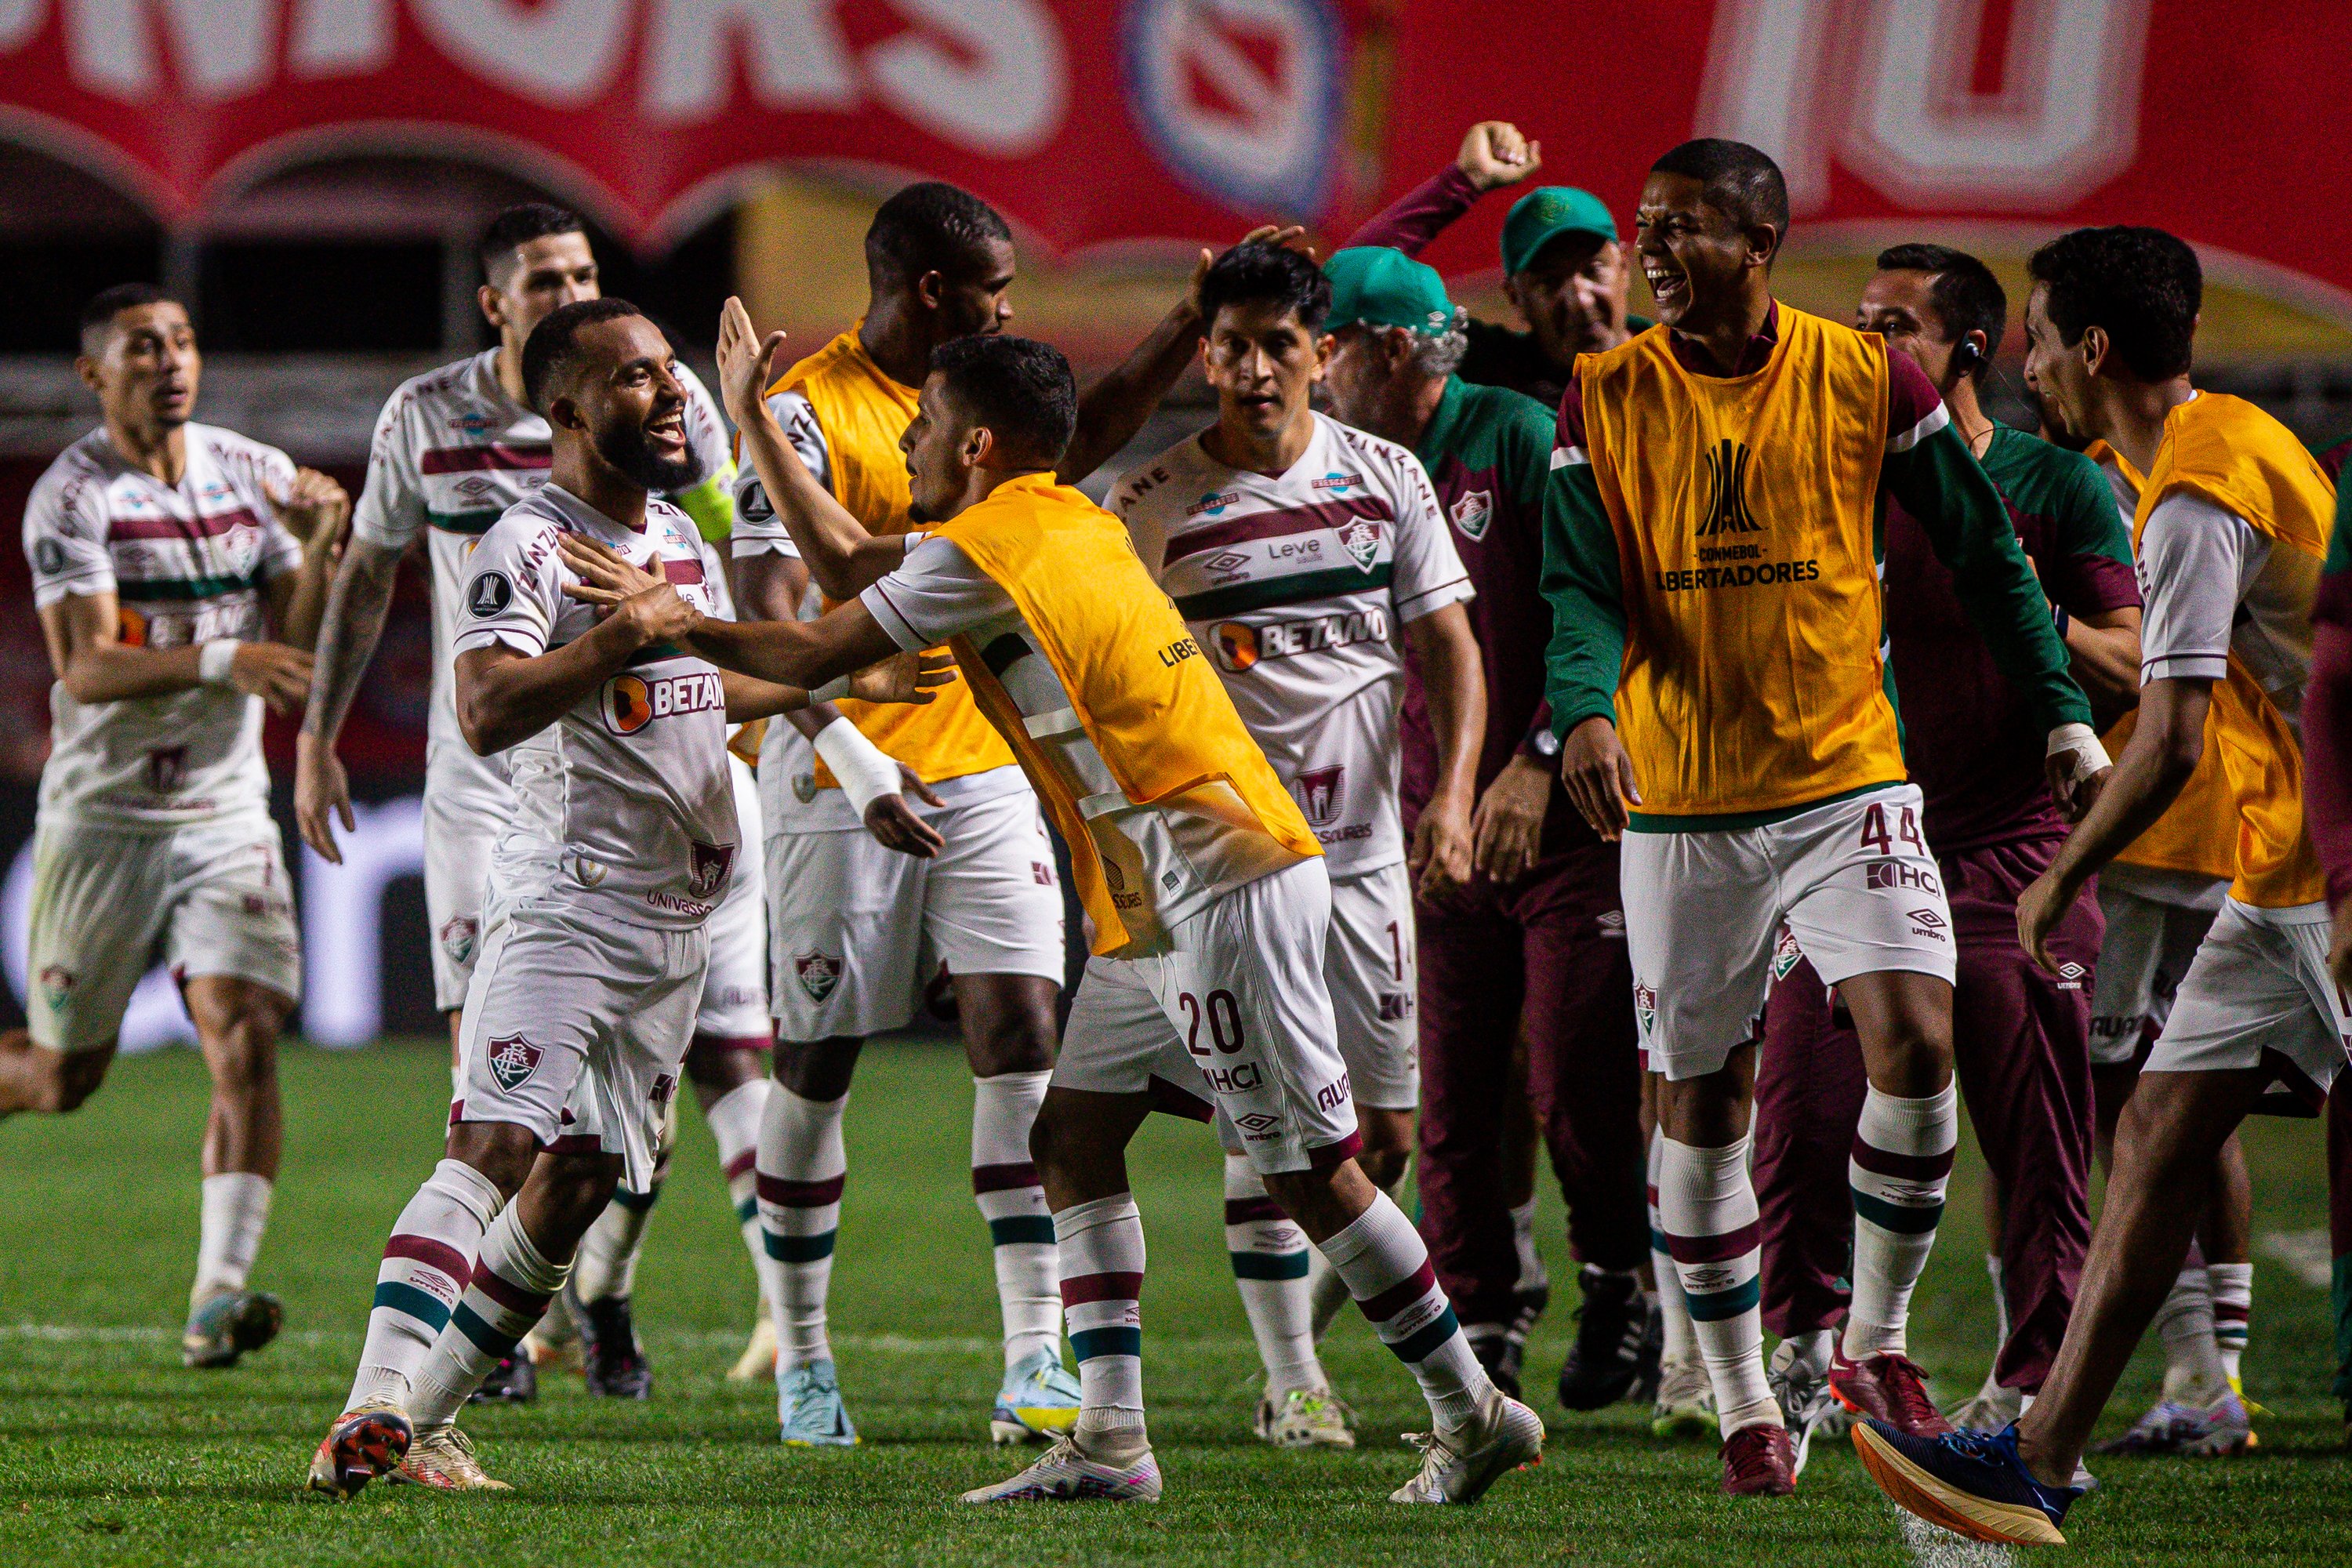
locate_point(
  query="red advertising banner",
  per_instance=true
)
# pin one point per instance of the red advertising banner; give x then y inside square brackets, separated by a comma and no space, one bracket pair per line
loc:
[1100,121]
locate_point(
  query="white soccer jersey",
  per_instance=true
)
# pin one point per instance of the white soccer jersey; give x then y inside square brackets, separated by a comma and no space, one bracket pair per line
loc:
[1299,585]
[453,452]
[626,800]
[186,564]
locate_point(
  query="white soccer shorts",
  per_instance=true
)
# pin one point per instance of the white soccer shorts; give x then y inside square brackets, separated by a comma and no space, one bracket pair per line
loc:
[215,894]
[735,992]
[461,833]
[1236,1010]
[1853,880]
[851,922]
[1370,970]
[575,1028]
[2259,994]
[2142,961]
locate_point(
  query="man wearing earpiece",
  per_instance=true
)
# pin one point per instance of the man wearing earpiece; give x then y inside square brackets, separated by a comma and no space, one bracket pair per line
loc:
[2021,1035]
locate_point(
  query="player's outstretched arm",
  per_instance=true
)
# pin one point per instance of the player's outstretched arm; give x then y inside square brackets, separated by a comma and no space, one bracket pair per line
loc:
[841,555]
[1114,409]
[1493,154]
[84,632]
[352,624]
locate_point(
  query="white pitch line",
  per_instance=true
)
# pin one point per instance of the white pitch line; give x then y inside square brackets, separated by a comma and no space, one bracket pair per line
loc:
[2306,1253]
[1933,1547]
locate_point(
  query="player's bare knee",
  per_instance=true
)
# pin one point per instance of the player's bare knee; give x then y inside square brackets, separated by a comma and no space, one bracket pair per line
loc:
[817,1069]
[69,1079]
[719,1066]
[501,1151]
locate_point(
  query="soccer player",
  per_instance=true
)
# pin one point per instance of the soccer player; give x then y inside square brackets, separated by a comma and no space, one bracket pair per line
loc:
[2021,1034]
[1534,945]
[2233,524]
[178,570]
[1711,564]
[899,832]
[453,449]
[1203,881]
[622,839]
[1307,557]
[1563,264]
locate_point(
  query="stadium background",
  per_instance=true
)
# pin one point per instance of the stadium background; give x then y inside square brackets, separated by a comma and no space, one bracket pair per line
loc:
[309,175]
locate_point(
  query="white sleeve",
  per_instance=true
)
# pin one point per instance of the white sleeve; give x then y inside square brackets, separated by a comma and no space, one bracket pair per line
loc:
[514,585]
[390,509]
[934,594]
[758,529]
[2194,560]
[65,538]
[1427,576]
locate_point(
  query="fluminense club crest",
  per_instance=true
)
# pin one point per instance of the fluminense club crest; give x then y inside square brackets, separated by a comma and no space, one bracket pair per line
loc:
[1362,539]
[512,1061]
[818,974]
[1472,512]
[1645,1007]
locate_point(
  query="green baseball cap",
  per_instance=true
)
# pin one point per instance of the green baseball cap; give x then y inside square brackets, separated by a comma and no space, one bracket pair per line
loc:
[1382,287]
[1546,213]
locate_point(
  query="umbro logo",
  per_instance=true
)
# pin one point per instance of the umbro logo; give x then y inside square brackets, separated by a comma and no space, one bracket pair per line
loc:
[1226,561]
[1257,1121]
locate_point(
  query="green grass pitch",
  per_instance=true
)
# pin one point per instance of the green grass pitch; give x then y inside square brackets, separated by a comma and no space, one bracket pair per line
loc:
[109,1453]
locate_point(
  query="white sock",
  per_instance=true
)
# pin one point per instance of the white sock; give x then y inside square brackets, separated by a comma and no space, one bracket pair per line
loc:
[1533,1275]
[734,1121]
[1100,1244]
[2000,1323]
[1706,1206]
[802,1166]
[2232,1286]
[2193,1374]
[511,1286]
[426,1263]
[1901,1164]
[1011,1199]
[1681,1348]
[1269,1256]
[607,1263]
[1387,1269]
[1327,1293]
[235,1208]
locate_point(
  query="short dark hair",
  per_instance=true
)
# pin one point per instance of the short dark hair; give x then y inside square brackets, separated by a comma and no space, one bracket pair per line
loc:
[1021,389]
[554,343]
[108,303]
[930,226]
[1965,295]
[1741,180]
[519,226]
[2142,285]
[1256,273]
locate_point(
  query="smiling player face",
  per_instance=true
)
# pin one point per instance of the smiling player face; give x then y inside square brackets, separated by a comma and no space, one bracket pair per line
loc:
[627,398]
[1694,254]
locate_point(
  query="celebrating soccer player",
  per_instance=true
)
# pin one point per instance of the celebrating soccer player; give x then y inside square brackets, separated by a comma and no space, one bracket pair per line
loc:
[165,555]
[1716,678]
[2233,524]
[623,842]
[1533,946]
[1307,558]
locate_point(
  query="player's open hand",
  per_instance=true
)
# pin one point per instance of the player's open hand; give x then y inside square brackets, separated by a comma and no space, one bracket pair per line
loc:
[1506,830]
[1495,154]
[746,363]
[321,793]
[605,577]
[279,675]
[1290,236]
[313,507]
[1598,776]
[894,823]
[906,677]
[1439,857]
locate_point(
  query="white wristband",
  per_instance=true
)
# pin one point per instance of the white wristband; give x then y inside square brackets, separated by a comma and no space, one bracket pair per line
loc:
[215,659]
[864,771]
[2083,743]
[833,690]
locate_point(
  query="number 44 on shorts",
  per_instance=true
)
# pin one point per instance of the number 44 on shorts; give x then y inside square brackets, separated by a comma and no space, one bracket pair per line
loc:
[1876,838]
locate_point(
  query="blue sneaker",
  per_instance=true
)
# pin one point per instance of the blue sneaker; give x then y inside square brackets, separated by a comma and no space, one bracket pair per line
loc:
[809,1409]
[1971,1483]
[1038,1402]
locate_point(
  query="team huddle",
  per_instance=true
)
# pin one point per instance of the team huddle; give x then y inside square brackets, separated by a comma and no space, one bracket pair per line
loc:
[1679,748]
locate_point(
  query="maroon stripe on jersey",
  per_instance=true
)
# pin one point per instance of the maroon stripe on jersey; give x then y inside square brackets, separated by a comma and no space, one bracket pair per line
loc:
[508,1294]
[683,573]
[1003,1178]
[1379,1308]
[742,1162]
[431,1252]
[180,527]
[800,1195]
[1275,525]
[498,456]
[1088,1288]
[1902,1167]
[1715,1248]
